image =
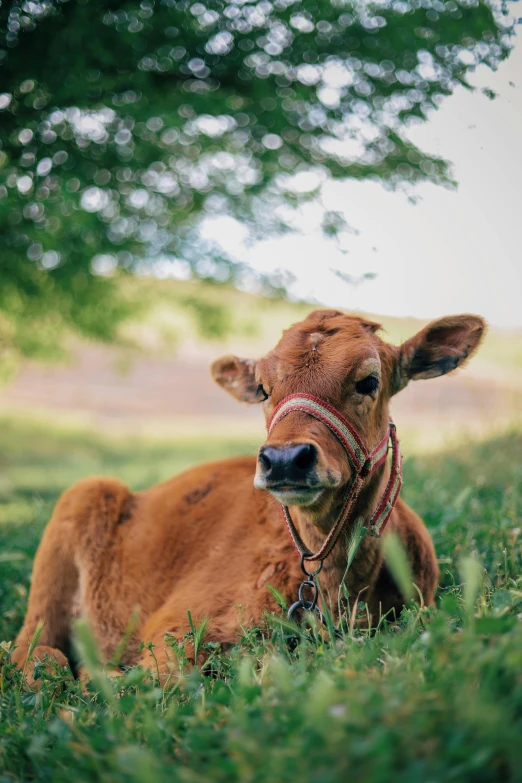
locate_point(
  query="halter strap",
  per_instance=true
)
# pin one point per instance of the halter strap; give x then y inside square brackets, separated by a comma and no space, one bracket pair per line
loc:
[364,463]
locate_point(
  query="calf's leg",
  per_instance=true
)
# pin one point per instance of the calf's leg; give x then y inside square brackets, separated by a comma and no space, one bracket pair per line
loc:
[81,520]
[172,619]
[54,584]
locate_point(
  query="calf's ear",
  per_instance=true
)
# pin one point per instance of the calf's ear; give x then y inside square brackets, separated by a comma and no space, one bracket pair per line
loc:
[238,378]
[440,347]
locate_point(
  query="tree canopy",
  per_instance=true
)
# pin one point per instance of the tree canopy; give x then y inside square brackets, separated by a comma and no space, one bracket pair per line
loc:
[122,124]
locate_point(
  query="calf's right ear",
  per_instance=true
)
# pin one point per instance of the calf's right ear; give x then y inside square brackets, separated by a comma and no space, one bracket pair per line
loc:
[238,378]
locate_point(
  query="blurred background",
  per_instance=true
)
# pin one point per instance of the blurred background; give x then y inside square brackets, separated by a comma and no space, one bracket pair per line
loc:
[180,180]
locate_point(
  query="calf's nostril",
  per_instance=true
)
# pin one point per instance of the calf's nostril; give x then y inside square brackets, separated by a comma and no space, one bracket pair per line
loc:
[305,456]
[265,460]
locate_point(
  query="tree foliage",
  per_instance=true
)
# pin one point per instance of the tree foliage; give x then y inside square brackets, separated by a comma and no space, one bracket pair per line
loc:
[122,124]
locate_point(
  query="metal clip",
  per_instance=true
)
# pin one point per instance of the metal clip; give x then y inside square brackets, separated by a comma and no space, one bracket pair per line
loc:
[313,573]
[302,602]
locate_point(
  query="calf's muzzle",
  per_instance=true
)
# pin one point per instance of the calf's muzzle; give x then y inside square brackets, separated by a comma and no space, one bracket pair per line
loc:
[287,465]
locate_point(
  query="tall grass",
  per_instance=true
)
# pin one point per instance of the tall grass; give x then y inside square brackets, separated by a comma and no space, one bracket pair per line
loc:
[435,696]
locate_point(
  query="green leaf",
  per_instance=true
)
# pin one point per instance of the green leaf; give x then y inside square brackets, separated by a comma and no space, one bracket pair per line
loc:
[495,625]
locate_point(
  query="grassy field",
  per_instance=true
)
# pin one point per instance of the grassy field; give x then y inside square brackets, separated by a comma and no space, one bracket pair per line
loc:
[434,697]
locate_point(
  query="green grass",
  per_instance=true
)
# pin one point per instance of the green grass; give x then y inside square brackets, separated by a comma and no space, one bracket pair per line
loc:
[435,697]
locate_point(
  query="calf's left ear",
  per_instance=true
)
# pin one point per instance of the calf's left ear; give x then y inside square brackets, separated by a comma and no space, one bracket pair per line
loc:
[238,378]
[440,347]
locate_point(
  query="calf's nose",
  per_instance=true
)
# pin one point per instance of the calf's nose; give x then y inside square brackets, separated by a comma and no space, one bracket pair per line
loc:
[287,463]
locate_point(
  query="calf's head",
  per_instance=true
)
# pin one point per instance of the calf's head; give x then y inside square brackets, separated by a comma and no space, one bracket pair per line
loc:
[342,360]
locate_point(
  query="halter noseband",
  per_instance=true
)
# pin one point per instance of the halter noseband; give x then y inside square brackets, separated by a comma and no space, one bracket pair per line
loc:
[363,462]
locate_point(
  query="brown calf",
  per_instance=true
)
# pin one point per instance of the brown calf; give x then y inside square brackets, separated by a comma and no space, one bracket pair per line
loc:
[214,536]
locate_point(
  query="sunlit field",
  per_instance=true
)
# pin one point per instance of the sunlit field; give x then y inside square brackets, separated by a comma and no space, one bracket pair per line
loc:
[435,696]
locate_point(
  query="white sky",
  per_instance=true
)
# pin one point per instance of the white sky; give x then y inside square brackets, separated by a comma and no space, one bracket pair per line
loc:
[454,251]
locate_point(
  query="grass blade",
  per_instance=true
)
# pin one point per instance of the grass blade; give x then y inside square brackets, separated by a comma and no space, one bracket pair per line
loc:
[88,654]
[198,633]
[399,565]
[36,638]
[471,575]
[122,645]
[279,598]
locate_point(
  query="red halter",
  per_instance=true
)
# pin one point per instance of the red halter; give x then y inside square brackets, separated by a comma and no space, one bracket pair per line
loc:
[363,462]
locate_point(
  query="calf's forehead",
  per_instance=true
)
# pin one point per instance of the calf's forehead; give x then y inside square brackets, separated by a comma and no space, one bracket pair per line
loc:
[320,352]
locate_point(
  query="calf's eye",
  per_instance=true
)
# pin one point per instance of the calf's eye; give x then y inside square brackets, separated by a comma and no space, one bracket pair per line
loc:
[367,385]
[260,391]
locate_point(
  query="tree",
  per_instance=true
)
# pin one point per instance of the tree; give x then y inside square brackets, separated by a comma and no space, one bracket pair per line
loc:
[122,124]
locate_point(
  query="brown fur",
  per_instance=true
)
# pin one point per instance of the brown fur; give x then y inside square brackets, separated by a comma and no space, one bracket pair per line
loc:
[206,540]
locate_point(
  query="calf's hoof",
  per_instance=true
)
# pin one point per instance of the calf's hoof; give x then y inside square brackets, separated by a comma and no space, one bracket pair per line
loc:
[54,658]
